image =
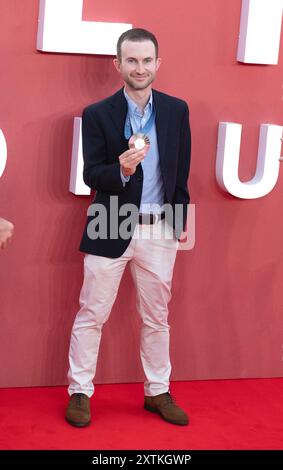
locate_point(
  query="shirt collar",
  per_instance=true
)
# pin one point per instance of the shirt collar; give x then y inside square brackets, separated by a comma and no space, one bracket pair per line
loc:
[133,107]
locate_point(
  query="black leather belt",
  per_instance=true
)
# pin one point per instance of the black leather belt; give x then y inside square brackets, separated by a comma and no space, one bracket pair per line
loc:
[150,218]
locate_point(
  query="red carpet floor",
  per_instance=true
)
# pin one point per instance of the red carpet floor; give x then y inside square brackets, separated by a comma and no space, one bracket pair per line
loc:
[224,414]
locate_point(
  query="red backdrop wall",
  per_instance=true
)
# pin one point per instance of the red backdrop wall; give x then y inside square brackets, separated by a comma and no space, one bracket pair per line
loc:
[226,310]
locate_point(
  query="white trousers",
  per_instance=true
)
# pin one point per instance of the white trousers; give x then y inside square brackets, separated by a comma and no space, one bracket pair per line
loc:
[151,253]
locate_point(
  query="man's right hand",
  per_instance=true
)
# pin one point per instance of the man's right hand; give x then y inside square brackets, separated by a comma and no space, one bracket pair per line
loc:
[6,232]
[130,159]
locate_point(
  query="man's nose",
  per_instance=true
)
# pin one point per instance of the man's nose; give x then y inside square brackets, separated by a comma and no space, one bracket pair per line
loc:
[140,67]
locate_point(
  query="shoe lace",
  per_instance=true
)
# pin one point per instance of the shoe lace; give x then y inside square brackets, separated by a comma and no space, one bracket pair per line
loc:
[169,399]
[79,398]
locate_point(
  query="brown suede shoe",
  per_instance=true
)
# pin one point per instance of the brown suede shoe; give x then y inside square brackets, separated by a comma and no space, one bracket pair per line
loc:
[78,411]
[167,408]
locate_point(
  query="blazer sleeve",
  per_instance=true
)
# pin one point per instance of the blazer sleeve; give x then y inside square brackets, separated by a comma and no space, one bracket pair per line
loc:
[181,195]
[98,174]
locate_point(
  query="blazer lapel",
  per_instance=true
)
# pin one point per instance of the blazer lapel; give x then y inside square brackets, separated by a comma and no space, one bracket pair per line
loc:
[162,117]
[118,111]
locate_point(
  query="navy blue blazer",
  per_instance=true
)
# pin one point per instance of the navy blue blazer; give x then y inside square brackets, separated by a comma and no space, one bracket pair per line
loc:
[103,142]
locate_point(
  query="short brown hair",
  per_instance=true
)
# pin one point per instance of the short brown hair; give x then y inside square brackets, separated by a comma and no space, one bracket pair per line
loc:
[136,35]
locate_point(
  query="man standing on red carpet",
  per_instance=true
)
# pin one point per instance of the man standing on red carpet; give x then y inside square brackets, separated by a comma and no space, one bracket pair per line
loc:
[136,148]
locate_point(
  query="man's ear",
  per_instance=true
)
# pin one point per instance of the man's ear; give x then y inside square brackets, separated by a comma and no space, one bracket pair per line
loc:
[116,63]
[158,62]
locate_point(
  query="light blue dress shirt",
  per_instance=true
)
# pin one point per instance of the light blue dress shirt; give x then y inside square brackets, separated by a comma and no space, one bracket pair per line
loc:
[153,188]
